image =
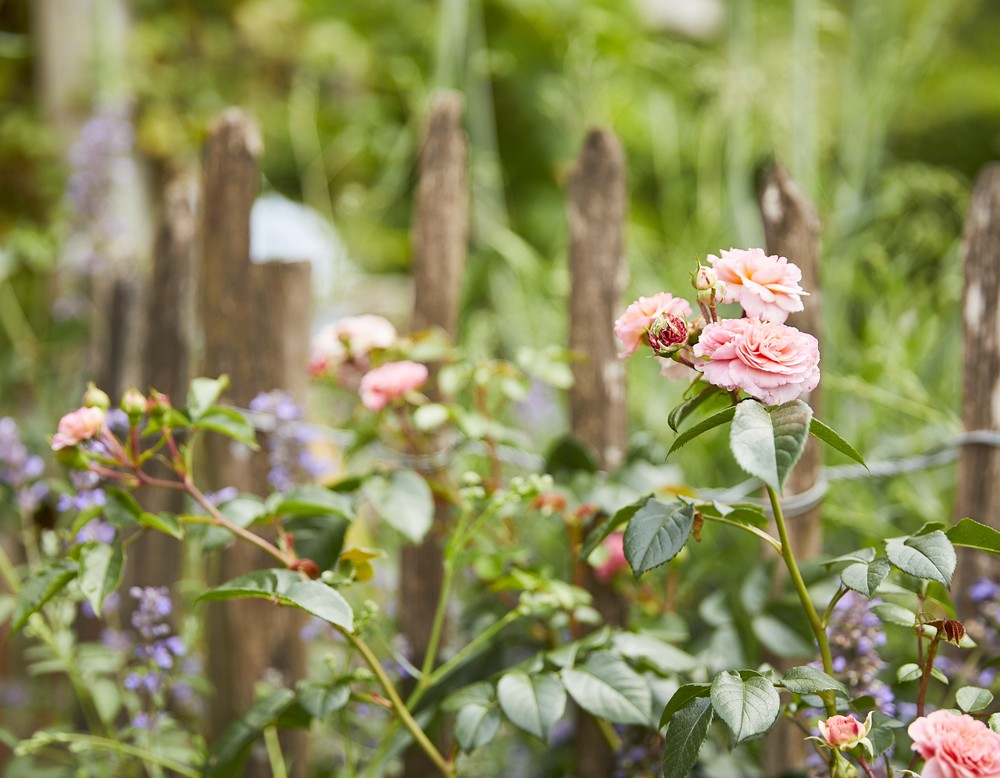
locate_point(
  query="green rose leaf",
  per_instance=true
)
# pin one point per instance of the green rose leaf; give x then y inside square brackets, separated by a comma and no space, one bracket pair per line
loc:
[929,556]
[100,572]
[227,758]
[162,522]
[319,700]
[310,500]
[203,393]
[656,533]
[403,500]
[973,698]
[909,672]
[676,417]
[682,697]
[768,444]
[605,686]
[722,417]
[809,680]
[532,702]
[749,706]
[688,730]
[121,509]
[994,722]
[890,613]
[229,422]
[971,534]
[40,588]
[476,725]
[652,652]
[288,588]
[865,577]
[822,432]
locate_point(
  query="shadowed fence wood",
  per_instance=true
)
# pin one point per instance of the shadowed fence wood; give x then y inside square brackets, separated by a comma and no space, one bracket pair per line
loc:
[978,493]
[596,217]
[792,230]
[440,244]
[255,321]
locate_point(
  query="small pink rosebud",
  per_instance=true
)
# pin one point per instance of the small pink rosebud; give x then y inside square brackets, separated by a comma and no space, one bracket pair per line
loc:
[614,545]
[78,426]
[133,403]
[95,398]
[845,732]
[667,334]
[157,404]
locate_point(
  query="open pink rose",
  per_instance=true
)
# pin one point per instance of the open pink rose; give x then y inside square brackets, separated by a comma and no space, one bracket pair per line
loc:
[955,746]
[773,363]
[844,732]
[78,426]
[633,325]
[766,287]
[614,544]
[350,338]
[390,381]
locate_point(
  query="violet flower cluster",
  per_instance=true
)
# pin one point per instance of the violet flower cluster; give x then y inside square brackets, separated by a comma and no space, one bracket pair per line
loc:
[20,470]
[856,634]
[157,648]
[291,458]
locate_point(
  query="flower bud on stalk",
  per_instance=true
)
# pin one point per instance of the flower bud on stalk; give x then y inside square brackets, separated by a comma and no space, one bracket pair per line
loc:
[158,404]
[667,334]
[134,404]
[95,398]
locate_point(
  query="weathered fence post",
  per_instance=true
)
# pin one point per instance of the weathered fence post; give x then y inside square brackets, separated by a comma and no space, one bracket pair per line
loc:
[255,322]
[792,230]
[978,494]
[596,217]
[440,243]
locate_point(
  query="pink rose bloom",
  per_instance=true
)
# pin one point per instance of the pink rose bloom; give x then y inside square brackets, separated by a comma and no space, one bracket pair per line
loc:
[955,746]
[351,338]
[844,731]
[614,544]
[633,325]
[773,363]
[390,381]
[766,287]
[78,426]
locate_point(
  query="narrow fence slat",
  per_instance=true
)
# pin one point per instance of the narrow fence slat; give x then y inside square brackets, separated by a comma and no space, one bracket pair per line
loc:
[596,219]
[978,492]
[251,318]
[792,230]
[440,246]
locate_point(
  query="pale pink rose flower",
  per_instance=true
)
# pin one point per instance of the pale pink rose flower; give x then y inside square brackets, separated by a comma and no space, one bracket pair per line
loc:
[766,287]
[76,427]
[349,339]
[773,363]
[614,544]
[844,731]
[955,746]
[327,351]
[390,381]
[632,326]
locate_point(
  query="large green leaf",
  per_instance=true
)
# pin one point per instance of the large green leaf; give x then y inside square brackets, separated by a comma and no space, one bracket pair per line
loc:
[476,725]
[403,500]
[121,508]
[532,702]
[929,556]
[656,533]
[768,444]
[605,686]
[310,500]
[972,534]
[100,567]
[822,432]
[701,427]
[865,577]
[750,705]
[682,697]
[227,758]
[40,588]
[809,680]
[288,588]
[676,417]
[688,730]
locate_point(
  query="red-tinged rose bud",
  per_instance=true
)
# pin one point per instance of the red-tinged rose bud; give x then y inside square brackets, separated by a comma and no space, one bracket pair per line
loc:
[95,398]
[951,630]
[134,404]
[667,334]
[307,566]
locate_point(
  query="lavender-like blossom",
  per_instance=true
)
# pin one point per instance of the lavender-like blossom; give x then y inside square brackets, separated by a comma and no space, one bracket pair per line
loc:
[19,469]
[290,455]
[855,637]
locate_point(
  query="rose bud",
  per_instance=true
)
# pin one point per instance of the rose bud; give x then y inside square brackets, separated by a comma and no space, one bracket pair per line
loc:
[134,404]
[845,732]
[95,398]
[667,334]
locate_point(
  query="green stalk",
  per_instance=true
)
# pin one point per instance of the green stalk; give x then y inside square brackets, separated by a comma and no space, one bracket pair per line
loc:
[115,746]
[800,587]
[756,532]
[274,755]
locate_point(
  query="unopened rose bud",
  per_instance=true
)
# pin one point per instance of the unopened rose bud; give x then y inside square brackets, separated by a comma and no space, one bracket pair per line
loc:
[95,398]
[667,334]
[710,289]
[845,732]
[134,404]
[157,403]
[953,631]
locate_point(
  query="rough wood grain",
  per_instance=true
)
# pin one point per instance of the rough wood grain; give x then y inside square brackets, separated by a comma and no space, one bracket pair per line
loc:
[792,230]
[978,494]
[596,219]
[440,245]
[255,324]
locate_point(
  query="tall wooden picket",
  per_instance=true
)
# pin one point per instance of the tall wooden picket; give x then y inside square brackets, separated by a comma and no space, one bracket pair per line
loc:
[978,494]
[255,324]
[792,230]
[596,218]
[440,239]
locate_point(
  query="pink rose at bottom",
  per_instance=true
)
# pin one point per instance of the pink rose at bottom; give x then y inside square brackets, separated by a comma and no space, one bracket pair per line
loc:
[773,363]
[390,381]
[614,544]
[955,746]
[78,426]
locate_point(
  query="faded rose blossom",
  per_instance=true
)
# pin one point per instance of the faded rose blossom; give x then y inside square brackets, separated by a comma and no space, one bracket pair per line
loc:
[633,325]
[350,339]
[766,287]
[78,426]
[389,382]
[773,363]
[955,746]
[614,544]
[845,732]
[667,334]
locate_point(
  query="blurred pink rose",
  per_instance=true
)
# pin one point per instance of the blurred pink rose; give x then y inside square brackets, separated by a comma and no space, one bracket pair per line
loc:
[773,363]
[955,746]
[632,326]
[766,287]
[78,426]
[844,731]
[351,338]
[393,379]
[614,544]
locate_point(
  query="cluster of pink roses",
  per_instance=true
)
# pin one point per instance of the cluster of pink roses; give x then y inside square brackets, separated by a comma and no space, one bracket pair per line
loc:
[343,351]
[758,354]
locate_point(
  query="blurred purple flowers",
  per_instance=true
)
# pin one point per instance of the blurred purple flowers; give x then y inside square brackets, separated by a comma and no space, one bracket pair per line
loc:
[289,441]
[19,469]
[855,636]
